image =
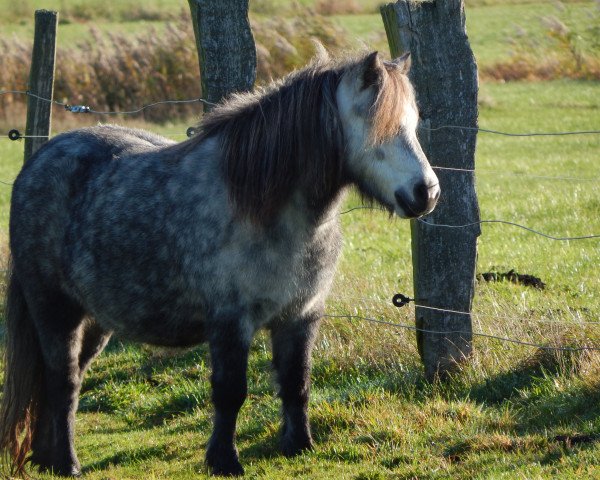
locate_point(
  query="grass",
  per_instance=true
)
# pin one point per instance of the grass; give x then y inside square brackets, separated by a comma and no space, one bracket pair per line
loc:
[510,412]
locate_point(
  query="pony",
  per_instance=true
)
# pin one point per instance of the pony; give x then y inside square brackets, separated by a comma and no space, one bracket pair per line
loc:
[120,231]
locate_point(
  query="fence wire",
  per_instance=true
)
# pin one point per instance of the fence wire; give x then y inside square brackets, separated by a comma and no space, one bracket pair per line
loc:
[475,315]
[510,134]
[87,109]
[467,225]
[465,333]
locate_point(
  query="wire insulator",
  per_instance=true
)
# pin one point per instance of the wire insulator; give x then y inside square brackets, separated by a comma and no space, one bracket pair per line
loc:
[14,134]
[399,300]
[77,108]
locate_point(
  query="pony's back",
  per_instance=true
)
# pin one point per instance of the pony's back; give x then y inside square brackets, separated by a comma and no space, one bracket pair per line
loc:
[54,181]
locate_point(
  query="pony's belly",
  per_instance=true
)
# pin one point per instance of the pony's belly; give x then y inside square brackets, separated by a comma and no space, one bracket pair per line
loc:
[166,330]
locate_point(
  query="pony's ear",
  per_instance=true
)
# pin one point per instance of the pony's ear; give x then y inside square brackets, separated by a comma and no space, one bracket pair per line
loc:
[372,70]
[321,53]
[402,63]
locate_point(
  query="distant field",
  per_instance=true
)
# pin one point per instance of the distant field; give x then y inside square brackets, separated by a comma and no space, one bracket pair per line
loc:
[511,412]
[490,27]
[491,24]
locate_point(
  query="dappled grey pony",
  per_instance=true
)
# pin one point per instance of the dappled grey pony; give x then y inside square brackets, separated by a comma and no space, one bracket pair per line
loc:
[114,230]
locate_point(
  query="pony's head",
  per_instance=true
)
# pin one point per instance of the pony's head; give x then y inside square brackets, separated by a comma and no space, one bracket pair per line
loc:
[320,128]
[379,117]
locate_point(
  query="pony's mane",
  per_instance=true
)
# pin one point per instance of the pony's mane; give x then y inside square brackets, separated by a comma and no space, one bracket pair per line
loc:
[289,134]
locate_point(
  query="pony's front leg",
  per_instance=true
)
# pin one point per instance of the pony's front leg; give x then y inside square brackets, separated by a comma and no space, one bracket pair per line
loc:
[292,347]
[229,345]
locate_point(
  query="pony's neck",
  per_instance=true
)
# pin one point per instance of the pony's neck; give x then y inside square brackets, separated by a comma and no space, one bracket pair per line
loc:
[317,211]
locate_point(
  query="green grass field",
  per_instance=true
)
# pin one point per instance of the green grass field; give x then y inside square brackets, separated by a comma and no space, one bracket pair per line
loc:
[511,412]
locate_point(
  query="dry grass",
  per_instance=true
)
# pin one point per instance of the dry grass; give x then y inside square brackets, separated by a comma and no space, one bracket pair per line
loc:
[568,49]
[122,71]
[338,7]
[527,66]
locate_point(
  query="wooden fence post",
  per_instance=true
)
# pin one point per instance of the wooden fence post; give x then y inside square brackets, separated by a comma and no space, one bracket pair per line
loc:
[226,49]
[41,81]
[444,74]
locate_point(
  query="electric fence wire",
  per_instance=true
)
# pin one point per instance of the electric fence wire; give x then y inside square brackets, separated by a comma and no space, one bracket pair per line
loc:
[86,109]
[467,225]
[460,332]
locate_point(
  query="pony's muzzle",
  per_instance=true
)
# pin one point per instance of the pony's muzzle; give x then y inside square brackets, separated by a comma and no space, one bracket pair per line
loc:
[422,201]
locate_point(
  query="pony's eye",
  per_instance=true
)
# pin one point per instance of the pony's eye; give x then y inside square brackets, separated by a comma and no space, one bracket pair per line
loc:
[359,110]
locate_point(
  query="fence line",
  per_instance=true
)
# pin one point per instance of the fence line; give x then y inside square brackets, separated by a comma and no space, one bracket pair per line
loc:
[466,225]
[86,109]
[511,134]
[475,314]
[505,222]
[517,174]
[442,225]
[459,332]
[16,135]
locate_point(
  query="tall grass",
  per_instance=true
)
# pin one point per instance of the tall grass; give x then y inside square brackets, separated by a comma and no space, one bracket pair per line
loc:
[119,71]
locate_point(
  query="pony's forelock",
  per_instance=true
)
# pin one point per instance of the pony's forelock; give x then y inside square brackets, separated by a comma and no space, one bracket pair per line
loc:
[394,92]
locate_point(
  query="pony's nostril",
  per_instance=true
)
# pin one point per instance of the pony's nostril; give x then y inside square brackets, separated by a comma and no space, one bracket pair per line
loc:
[421,192]
[423,199]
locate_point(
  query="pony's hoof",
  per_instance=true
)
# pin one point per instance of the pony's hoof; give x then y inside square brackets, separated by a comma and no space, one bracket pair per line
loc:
[227,469]
[224,462]
[290,447]
[73,471]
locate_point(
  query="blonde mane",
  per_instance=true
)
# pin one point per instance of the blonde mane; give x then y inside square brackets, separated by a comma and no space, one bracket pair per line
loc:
[394,93]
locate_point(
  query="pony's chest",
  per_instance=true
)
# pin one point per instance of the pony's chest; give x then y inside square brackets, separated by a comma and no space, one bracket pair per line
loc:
[285,275]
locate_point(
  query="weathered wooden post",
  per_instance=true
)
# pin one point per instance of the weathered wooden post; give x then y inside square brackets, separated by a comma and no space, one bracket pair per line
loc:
[41,81]
[226,49]
[444,74]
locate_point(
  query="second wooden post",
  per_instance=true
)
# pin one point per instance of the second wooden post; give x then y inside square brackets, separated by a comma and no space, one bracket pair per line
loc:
[444,74]
[226,49]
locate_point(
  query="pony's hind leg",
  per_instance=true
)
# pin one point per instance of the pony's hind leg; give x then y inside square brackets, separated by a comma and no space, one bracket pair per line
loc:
[93,341]
[292,347]
[58,321]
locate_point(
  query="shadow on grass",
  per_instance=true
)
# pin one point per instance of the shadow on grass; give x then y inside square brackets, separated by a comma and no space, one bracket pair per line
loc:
[153,363]
[575,413]
[504,386]
[262,449]
[130,456]
[543,364]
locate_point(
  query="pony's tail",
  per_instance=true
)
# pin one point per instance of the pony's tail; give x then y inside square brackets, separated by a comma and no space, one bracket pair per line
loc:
[22,380]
